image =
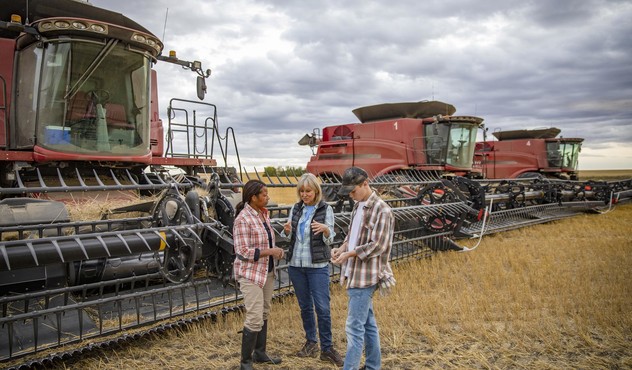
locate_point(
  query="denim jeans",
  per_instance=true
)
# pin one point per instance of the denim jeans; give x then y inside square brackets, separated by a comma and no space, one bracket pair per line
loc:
[362,330]
[311,286]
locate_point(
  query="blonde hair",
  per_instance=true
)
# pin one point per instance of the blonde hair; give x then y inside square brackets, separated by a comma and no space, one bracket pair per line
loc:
[310,181]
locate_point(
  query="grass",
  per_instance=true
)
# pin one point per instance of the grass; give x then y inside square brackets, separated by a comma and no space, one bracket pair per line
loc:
[549,296]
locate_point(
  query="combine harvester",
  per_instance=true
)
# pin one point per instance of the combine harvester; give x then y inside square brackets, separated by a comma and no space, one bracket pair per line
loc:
[79,124]
[400,142]
[528,154]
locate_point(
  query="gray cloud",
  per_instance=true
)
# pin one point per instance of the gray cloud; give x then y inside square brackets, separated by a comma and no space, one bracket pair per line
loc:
[516,64]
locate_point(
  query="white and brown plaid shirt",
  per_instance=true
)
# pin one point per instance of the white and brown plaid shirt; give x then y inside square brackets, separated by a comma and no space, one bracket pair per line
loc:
[373,246]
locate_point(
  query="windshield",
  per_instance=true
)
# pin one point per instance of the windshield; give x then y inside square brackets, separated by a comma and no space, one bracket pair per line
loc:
[90,98]
[451,144]
[563,154]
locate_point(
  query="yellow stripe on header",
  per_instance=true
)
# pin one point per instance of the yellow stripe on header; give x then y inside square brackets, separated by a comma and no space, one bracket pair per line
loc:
[163,237]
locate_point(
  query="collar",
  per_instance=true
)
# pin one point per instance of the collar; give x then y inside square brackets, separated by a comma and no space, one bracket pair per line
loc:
[369,202]
[316,206]
[264,210]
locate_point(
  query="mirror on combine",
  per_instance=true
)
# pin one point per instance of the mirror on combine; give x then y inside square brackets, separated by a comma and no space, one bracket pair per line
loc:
[201,87]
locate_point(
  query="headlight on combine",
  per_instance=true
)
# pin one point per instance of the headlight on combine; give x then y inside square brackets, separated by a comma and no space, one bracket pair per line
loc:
[72,24]
[79,25]
[147,40]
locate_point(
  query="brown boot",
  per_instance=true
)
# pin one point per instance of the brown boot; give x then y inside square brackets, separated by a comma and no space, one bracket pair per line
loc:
[260,355]
[332,356]
[310,349]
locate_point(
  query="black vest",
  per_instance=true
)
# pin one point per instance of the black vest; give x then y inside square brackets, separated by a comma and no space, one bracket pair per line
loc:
[319,250]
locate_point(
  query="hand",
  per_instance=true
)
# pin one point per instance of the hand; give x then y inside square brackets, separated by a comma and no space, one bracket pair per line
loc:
[335,252]
[277,253]
[287,227]
[341,258]
[318,228]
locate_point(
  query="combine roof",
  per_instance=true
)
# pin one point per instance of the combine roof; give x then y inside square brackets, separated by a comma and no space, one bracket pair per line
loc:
[545,133]
[41,9]
[422,109]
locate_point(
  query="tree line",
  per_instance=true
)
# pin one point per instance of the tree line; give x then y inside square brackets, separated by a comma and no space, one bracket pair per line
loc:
[284,171]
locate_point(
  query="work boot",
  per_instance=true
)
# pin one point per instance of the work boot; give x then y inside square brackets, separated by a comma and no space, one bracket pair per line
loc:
[248,341]
[310,349]
[332,356]
[260,355]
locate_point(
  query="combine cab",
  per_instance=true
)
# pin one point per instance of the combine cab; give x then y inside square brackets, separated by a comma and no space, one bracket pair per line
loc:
[79,124]
[420,140]
[528,154]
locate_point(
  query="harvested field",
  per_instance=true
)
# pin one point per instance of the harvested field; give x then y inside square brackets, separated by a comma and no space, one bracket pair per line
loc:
[608,175]
[549,296]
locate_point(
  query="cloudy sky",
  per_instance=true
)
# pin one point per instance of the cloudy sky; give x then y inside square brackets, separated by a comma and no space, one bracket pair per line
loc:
[283,68]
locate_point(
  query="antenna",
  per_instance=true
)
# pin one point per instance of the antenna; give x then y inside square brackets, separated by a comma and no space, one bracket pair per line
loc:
[165,27]
[27,12]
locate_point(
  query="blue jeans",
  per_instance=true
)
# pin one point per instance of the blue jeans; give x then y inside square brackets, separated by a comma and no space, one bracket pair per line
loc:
[362,330]
[311,286]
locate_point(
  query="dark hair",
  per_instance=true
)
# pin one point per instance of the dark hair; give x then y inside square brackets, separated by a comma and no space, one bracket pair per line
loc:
[252,188]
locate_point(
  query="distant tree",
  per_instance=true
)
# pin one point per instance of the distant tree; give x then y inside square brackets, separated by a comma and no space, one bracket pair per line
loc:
[284,171]
[293,171]
[270,171]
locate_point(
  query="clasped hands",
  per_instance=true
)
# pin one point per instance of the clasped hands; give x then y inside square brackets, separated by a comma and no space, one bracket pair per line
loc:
[341,255]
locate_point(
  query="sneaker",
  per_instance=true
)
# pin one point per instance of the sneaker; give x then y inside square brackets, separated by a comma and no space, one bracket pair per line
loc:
[332,356]
[310,349]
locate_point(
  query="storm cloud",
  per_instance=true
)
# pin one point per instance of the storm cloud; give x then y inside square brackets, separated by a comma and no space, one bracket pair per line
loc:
[283,68]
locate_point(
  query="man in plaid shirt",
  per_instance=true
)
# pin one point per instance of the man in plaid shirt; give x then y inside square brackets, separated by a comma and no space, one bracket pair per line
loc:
[364,258]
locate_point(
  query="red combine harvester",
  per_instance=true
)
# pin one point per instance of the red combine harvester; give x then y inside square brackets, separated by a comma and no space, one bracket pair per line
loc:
[79,121]
[528,154]
[419,140]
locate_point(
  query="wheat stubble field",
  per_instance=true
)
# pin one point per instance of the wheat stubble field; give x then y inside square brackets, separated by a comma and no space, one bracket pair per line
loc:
[551,296]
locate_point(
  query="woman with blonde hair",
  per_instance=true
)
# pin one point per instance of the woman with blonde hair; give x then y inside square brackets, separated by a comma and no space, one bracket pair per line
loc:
[310,227]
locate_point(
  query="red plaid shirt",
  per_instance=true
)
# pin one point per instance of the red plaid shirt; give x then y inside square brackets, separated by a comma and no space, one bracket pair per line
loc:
[249,235]
[373,246]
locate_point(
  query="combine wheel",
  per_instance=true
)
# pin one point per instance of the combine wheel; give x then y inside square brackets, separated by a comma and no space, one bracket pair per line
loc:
[440,193]
[179,257]
[472,190]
